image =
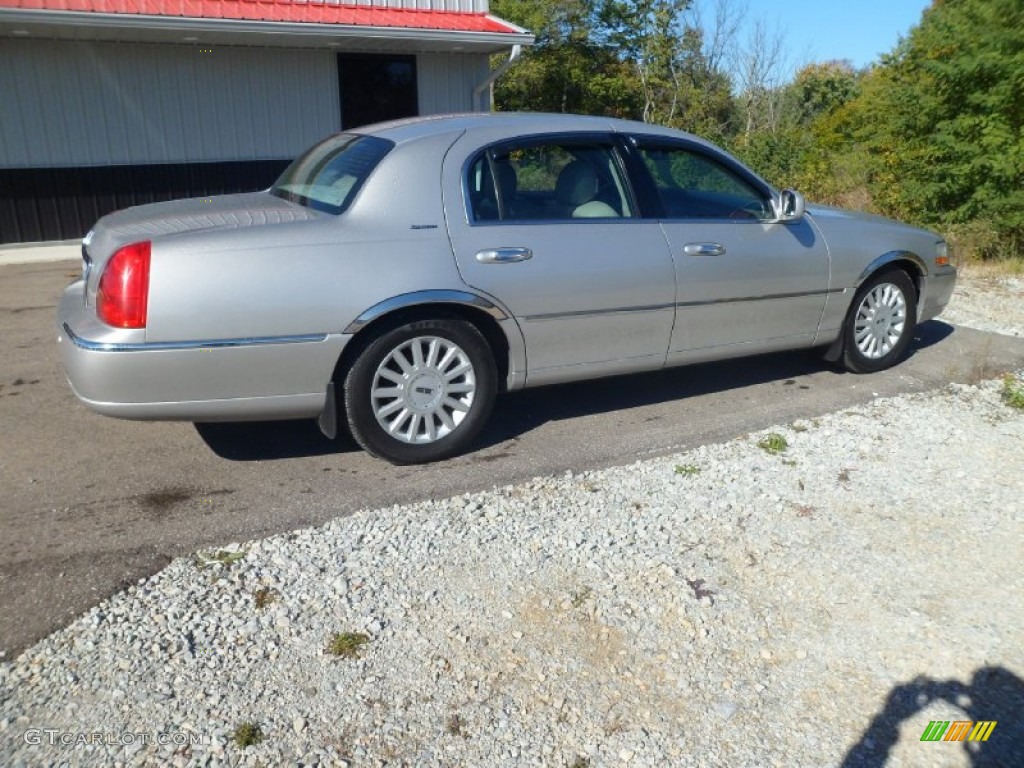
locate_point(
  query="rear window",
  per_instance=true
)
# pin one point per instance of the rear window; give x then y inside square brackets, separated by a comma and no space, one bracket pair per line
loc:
[330,174]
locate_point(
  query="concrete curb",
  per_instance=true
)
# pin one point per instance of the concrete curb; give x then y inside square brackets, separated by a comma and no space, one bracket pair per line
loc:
[39,252]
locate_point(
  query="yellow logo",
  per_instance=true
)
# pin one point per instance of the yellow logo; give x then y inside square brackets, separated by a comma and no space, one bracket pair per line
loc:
[958,730]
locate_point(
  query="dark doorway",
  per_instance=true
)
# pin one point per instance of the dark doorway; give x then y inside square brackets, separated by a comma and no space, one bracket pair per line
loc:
[376,87]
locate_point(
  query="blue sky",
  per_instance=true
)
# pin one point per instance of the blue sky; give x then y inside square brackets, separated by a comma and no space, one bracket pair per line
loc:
[821,30]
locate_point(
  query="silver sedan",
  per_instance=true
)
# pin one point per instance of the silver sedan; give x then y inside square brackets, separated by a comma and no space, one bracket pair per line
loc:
[397,277]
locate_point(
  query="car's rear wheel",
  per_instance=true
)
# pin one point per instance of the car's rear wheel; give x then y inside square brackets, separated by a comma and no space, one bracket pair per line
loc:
[881,323]
[422,391]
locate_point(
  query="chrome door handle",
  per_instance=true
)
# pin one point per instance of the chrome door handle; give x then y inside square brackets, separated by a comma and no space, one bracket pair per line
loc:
[504,255]
[703,249]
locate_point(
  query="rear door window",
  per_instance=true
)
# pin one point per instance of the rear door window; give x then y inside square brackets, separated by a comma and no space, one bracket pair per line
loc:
[548,180]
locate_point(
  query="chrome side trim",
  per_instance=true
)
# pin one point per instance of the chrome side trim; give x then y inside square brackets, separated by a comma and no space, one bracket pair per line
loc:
[765,297]
[440,296]
[889,258]
[681,305]
[597,312]
[148,346]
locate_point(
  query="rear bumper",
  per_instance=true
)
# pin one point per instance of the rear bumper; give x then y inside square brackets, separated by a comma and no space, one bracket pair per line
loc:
[117,373]
[936,291]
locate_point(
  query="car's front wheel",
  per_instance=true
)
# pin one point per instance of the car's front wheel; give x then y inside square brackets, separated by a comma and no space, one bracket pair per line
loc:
[881,323]
[422,391]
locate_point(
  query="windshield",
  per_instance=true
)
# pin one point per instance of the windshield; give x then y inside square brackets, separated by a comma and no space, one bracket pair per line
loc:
[330,174]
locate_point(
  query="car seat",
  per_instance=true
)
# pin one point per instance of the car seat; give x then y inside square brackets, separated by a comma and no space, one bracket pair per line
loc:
[575,190]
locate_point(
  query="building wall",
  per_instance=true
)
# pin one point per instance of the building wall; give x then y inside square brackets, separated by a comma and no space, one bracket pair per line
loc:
[90,127]
[447,80]
[89,104]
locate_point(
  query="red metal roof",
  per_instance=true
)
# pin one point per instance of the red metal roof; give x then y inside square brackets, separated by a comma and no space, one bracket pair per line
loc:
[289,11]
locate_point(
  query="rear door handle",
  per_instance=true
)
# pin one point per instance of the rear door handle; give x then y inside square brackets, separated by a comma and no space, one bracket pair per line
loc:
[703,249]
[504,255]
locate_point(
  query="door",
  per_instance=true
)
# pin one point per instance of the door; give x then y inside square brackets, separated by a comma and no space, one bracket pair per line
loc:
[376,87]
[549,227]
[744,283]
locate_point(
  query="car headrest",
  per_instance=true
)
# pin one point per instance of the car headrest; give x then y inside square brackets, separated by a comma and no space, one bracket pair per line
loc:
[576,184]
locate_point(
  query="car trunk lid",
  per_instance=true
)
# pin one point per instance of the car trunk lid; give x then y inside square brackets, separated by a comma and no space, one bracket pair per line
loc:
[156,220]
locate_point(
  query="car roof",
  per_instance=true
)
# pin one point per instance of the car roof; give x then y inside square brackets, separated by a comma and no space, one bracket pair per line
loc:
[516,123]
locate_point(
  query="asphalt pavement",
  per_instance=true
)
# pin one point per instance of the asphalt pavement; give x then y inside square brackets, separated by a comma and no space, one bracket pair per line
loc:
[90,504]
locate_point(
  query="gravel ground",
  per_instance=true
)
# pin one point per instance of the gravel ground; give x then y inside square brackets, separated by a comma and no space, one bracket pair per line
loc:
[987,302]
[727,606]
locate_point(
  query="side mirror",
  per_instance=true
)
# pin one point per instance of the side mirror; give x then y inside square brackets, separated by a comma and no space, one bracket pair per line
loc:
[789,205]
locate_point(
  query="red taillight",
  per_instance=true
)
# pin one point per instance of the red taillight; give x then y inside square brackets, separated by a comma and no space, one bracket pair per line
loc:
[123,293]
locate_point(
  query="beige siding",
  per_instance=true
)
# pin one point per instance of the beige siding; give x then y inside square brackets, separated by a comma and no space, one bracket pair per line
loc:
[447,80]
[79,104]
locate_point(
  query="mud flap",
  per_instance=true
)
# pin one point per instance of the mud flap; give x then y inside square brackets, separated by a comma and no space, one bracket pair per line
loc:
[328,419]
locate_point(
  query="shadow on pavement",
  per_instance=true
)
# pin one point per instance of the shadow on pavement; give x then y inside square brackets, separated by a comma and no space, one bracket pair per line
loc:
[267,440]
[932,332]
[994,694]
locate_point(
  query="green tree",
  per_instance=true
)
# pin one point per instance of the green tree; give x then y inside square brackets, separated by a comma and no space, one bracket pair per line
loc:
[570,68]
[638,59]
[804,149]
[941,120]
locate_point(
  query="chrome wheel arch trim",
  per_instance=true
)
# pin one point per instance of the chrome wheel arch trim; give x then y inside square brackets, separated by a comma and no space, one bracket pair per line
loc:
[890,258]
[418,298]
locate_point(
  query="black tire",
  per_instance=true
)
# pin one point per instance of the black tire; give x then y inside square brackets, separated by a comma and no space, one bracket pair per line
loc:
[883,340]
[414,403]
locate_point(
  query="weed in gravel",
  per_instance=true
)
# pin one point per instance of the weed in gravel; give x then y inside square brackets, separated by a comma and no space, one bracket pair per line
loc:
[844,476]
[221,557]
[247,734]
[346,645]
[580,596]
[687,469]
[1013,391]
[264,596]
[697,585]
[773,443]
[579,762]
[454,726]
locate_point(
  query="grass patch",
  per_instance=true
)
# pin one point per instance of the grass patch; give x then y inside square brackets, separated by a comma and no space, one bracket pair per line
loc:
[247,734]
[687,469]
[773,443]
[1013,391]
[346,645]
[222,557]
